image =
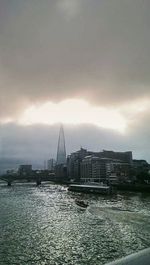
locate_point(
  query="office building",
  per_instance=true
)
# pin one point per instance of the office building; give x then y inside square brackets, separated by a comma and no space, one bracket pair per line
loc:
[61,149]
[95,169]
[51,163]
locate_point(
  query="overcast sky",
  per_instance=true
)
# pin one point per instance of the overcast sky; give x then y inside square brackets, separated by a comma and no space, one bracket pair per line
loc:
[97,51]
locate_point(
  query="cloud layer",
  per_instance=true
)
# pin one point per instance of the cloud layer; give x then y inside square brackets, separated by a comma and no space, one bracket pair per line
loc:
[53,50]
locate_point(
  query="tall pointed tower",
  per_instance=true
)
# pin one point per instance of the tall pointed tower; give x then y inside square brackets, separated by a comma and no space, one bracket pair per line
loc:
[61,149]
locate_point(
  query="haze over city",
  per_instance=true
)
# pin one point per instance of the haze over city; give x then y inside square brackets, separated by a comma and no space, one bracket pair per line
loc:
[81,63]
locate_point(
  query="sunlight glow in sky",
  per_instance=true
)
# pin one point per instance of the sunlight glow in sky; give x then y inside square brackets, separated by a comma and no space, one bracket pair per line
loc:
[73,111]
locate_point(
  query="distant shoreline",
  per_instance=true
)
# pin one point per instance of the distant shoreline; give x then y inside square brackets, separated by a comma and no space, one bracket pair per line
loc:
[135,187]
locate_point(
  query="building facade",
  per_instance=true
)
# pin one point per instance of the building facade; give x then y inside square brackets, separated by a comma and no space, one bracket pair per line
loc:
[105,163]
[95,169]
[51,163]
[74,164]
[123,156]
[61,149]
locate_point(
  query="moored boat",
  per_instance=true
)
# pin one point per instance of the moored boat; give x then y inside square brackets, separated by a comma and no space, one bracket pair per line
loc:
[81,203]
[88,188]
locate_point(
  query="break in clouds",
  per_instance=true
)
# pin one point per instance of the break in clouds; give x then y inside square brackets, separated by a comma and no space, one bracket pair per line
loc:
[98,51]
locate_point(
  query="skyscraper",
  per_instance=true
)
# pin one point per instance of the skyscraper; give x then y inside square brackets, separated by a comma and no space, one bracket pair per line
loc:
[61,149]
[51,163]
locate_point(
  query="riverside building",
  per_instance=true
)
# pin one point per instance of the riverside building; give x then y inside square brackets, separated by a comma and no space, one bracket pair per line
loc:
[105,163]
[95,169]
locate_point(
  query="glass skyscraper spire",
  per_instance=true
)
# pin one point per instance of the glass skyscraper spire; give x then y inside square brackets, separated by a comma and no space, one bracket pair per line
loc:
[61,149]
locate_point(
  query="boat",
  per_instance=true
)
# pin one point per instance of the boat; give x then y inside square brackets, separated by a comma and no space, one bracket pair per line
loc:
[81,203]
[90,188]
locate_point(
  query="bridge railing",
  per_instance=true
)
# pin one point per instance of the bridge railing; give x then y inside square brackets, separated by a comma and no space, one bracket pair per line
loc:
[139,258]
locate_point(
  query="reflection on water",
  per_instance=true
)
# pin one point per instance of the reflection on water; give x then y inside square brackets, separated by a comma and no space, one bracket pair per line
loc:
[44,226]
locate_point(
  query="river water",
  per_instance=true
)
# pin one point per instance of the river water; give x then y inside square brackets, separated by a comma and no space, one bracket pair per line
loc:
[43,226]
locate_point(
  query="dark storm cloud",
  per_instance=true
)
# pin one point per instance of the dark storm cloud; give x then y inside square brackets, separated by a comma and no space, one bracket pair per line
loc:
[52,50]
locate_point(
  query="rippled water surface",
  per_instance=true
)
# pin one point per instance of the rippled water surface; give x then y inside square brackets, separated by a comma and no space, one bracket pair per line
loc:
[44,226]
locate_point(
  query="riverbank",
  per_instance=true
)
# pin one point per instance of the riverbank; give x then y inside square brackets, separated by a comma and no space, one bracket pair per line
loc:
[131,187]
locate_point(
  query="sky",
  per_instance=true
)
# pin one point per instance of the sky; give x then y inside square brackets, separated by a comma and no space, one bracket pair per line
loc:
[83,63]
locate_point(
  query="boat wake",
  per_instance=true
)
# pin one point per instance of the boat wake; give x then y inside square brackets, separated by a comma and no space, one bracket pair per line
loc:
[119,215]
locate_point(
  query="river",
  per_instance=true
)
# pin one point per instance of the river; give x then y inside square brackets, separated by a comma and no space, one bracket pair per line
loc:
[43,226]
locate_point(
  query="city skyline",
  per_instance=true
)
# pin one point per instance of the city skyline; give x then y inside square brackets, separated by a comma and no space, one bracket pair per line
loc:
[38,159]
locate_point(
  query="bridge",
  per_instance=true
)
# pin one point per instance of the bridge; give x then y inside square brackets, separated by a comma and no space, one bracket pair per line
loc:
[37,178]
[140,258]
